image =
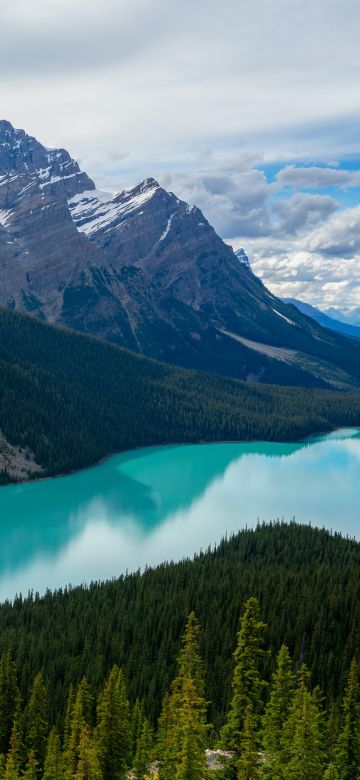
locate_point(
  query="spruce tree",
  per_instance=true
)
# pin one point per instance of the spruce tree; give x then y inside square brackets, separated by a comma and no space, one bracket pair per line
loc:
[31,771]
[36,722]
[9,699]
[277,708]
[347,754]
[248,763]
[79,719]
[143,751]
[136,724]
[53,769]
[183,729]
[14,756]
[302,743]
[247,683]
[113,727]
[88,765]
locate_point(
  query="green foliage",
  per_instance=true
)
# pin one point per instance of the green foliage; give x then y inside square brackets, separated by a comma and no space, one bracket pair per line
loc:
[113,727]
[143,751]
[9,698]
[302,735]
[277,712]
[53,767]
[90,399]
[348,748]
[183,729]
[79,719]
[88,766]
[37,722]
[247,683]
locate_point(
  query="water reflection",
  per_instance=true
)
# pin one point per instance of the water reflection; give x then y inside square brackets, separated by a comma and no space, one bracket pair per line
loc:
[164,503]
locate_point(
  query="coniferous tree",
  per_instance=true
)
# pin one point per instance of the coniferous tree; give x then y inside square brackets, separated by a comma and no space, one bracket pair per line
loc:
[80,718]
[183,726]
[302,742]
[247,683]
[143,751]
[113,727]
[248,763]
[53,769]
[88,765]
[9,699]
[32,769]
[136,724]
[347,754]
[277,711]
[14,756]
[36,722]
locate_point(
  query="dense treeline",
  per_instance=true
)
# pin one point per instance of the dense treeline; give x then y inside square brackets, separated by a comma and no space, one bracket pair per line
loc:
[306,580]
[274,730]
[72,399]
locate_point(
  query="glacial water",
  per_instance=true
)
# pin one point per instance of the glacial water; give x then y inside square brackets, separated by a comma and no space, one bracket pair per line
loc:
[143,507]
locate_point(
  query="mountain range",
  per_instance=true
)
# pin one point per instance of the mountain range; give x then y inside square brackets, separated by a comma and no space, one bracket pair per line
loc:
[327,320]
[147,271]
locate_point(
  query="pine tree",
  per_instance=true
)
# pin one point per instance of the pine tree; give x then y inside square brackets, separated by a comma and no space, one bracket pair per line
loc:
[14,756]
[80,718]
[113,727]
[31,771]
[247,682]
[9,699]
[183,729]
[143,751]
[53,769]
[137,719]
[347,754]
[302,744]
[277,708]
[36,722]
[88,765]
[248,763]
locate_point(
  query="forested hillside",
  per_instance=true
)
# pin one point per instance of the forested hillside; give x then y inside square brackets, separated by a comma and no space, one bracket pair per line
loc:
[85,672]
[67,400]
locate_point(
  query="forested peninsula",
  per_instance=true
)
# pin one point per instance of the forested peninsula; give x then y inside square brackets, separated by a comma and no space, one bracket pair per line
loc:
[247,655]
[68,400]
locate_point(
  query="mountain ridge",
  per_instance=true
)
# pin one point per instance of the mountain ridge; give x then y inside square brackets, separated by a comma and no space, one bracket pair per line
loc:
[147,271]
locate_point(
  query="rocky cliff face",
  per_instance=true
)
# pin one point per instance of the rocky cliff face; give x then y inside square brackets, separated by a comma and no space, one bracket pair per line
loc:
[142,269]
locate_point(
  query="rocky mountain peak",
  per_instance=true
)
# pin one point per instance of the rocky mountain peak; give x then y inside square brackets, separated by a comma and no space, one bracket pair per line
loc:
[53,170]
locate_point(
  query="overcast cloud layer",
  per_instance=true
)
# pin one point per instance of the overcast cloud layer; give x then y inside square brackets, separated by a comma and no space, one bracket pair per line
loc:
[251,110]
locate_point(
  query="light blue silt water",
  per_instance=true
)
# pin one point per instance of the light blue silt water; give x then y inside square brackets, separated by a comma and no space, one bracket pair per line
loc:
[146,506]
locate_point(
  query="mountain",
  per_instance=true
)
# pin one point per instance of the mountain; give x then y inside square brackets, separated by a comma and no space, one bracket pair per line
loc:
[325,320]
[67,400]
[147,271]
[347,316]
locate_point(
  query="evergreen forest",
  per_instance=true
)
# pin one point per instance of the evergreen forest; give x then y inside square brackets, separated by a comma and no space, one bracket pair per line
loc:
[67,400]
[241,664]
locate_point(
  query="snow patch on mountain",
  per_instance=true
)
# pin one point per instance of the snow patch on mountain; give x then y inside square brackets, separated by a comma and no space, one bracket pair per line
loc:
[95,210]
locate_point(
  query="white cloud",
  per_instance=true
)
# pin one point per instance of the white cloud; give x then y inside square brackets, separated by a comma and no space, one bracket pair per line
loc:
[313,177]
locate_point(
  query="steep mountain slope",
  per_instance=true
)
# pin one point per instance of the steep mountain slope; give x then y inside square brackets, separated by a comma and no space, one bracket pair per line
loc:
[66,400]
[147,271]
[323,319]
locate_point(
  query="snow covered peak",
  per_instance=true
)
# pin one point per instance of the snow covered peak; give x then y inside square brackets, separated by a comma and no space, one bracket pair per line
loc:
[243,258]
[52,169]
[94,210]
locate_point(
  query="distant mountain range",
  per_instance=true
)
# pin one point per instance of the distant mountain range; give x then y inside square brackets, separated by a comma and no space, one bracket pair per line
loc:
[327,320]
[147,271]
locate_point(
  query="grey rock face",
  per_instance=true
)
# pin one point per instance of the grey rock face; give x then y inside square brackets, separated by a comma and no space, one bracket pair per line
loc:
[143,269]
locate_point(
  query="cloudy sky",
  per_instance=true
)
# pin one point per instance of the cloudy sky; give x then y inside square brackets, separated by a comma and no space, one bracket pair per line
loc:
[248,108]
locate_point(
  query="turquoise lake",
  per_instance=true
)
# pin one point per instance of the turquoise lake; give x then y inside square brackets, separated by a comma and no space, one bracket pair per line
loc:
[143,507]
